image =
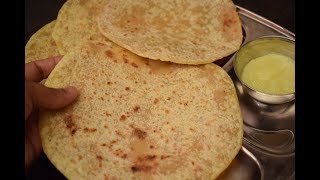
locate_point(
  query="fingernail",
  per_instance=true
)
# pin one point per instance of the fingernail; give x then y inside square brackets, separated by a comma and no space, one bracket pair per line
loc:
[71,89]
[57,59]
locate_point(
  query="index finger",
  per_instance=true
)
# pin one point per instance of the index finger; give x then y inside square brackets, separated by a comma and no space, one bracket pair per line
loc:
[36,71]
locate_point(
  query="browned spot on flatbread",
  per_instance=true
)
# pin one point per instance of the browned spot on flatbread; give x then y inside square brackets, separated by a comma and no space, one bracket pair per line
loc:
[100,44]
[209,147]
[123,118]
[124,156]
[155,101]
[134,65]
[139,133]
[109,177]
[119,133]
[89,130]
[73,131]
[68,120]
[145,163]
[150,157]
[111,144]
[229,21]
[144,168]
[136,108]
[134,18]
[232,131]
[114,141]
[125,58]
[99,159]
[127,88]
[120,154]
[109,53]
[108,114]
[164,157]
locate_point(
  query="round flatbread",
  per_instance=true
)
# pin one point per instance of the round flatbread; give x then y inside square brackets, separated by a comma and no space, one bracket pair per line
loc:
[76,22]
[41,44]
[186,32]
[137,118]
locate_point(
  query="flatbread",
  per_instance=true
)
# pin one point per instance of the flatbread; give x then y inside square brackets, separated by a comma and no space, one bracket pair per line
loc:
[137,118]
[41,44]
[76,23]
[186,32]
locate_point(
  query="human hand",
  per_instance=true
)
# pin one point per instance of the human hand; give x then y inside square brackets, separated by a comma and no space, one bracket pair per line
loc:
[37,96]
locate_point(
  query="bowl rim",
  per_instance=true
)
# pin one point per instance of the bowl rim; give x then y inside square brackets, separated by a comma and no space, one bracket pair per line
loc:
[287,39]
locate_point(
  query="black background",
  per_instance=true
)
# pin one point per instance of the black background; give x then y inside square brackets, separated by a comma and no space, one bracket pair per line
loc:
[40,12]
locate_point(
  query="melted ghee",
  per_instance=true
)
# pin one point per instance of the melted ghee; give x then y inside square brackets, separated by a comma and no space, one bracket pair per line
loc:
[271,74]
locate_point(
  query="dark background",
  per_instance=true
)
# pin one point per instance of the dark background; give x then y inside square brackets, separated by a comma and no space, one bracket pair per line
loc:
[40,12]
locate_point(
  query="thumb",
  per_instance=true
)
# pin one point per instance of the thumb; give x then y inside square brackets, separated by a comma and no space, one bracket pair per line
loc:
[50,98]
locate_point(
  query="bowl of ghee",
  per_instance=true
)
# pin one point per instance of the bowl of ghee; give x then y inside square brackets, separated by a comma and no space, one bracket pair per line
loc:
[266,69]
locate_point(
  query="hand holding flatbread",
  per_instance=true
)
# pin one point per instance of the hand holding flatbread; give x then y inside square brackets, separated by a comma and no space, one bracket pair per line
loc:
[143,112]
[140,118]
[38,97]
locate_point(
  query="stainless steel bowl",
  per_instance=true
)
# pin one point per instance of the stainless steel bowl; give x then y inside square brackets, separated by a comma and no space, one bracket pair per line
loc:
[259,47]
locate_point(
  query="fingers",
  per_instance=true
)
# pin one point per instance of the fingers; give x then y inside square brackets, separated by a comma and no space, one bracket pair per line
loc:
[41,97]
[32,134]
[39,70]
[29,154]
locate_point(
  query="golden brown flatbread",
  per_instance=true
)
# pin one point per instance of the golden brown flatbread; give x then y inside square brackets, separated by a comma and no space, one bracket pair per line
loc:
[41,44]
[180,31]
[76,22]
[141,119]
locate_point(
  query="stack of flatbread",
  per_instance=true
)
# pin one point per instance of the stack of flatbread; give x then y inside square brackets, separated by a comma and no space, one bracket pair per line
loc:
[152,104]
